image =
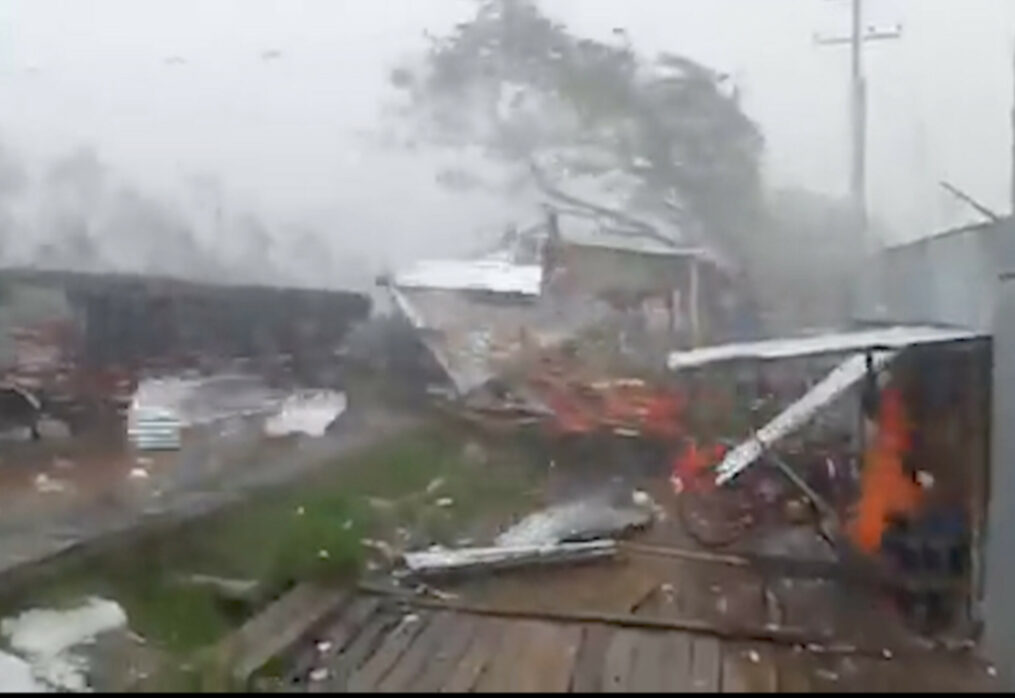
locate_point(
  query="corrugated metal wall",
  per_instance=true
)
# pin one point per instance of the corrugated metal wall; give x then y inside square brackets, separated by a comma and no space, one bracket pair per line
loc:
[958,278]
[945,279]
[999,604]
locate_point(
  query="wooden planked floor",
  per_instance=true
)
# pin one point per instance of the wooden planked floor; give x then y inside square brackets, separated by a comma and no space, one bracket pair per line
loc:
[385,646]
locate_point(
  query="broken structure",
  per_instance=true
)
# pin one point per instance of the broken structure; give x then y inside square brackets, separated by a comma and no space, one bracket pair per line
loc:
[82,340]
[544,286]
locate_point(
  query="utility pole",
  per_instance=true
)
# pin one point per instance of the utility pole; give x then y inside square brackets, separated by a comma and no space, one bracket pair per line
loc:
[858,107]
[858,104]
[1012,183]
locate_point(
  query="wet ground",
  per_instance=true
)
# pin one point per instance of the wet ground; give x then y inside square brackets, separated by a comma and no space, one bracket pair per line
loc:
[58,493]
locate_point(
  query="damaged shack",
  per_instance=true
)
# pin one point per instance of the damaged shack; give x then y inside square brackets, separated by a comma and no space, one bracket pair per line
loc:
[80,342]
[631,293]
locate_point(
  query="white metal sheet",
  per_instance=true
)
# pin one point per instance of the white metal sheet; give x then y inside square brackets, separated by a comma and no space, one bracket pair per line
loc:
[895,337]
[492,275]
[846,374]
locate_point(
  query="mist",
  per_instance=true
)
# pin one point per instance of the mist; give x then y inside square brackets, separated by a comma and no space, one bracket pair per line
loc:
[251,138]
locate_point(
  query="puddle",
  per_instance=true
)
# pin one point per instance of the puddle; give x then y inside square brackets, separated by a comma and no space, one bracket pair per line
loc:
[48,643]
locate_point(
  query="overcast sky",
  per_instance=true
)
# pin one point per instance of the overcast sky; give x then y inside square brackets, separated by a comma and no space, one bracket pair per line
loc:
[169,89]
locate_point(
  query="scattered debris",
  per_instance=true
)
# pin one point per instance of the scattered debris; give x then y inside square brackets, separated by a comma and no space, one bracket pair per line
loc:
[154,428]
[925,479]
[427,590]
[48,485]
[642,499]
[465,560]
[53,429]
[580,520]
[48,639]
[63,464]
[380,504]
[310,413]
[380,546]
[474,453]
[826,674]
[246,590]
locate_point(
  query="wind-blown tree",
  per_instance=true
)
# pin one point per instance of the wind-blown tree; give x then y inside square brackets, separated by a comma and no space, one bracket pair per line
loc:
[663,140]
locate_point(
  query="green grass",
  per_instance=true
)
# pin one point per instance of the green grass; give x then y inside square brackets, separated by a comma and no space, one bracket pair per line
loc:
[310,529]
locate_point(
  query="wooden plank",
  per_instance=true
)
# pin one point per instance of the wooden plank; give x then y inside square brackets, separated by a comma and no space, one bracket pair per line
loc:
[793,672]
[618,659]
[706,664]
[280,626]
[546,659]
[357,652]
[413,661]
[394,645]
[442,662]
[781,635]
[503,675]
[588,669]
[748,668]
[676,670]
[647,664]
[485,645]
[335,637]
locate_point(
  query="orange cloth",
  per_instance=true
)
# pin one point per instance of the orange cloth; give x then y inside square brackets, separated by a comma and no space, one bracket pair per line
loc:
[885,489]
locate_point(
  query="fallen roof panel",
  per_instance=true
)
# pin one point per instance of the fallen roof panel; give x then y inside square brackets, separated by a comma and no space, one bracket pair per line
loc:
[842,377]
[896,337]
[493,275]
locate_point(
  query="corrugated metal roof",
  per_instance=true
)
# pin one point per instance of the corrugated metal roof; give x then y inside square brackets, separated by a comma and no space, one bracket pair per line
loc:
[493,275]
[626,241]
[895,337]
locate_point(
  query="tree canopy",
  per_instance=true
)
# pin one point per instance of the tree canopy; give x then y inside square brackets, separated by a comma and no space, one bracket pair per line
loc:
[663,139]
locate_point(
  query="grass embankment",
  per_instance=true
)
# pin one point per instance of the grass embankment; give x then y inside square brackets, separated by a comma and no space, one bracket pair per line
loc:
[310,529]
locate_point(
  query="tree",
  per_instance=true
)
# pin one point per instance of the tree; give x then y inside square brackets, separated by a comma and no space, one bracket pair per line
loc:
[664,140]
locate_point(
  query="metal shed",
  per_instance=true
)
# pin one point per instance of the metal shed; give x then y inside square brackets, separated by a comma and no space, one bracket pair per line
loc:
[966,277]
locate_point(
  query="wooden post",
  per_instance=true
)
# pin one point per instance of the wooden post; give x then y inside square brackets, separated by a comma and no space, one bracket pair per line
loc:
[694,301]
